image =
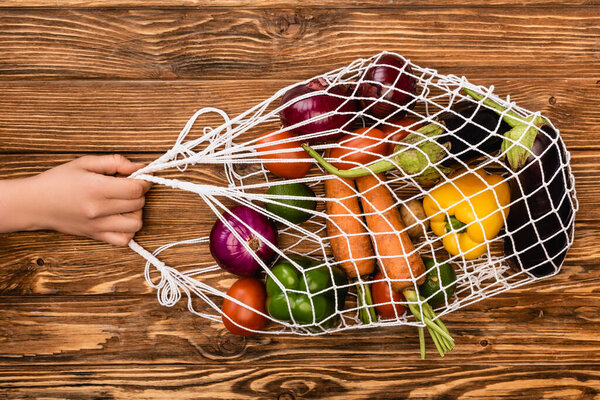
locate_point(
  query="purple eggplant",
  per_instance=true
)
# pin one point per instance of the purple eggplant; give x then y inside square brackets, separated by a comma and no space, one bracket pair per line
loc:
[472,131]
[540,223]
[466,132]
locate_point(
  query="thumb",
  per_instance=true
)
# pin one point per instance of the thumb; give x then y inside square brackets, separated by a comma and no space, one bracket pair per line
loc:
[112,164]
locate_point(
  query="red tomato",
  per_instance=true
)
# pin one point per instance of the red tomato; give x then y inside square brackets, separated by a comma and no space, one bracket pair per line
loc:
[381,298]
[365,145]
[251,292]
[398,133]
[291,170]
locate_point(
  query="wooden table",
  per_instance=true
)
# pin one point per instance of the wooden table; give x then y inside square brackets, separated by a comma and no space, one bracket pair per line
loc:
[91,76]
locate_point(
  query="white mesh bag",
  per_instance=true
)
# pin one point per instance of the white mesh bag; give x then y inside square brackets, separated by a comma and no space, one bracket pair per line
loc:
[531,197]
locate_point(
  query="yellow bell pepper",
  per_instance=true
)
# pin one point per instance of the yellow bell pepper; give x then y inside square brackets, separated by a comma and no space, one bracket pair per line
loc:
[467,211]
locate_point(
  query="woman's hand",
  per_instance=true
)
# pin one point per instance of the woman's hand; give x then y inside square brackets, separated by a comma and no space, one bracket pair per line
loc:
[88,197]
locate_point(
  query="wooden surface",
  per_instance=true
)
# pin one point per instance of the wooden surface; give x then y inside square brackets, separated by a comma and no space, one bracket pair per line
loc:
[86,76]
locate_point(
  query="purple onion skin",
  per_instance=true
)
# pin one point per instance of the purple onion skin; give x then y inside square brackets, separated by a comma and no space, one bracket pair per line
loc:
[228,251]
[521,228]
[314,106]
[386,76]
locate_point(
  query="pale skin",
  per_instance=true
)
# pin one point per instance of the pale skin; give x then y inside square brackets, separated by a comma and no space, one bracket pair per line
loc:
[89,196]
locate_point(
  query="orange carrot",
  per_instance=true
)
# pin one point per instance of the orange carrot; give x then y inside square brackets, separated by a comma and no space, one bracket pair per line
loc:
[348,236]
[394,250]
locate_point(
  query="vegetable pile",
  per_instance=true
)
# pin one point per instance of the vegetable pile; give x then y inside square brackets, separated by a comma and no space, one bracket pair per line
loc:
[391,255]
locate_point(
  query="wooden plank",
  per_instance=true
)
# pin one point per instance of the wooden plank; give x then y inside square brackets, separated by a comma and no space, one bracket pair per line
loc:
[329,4]
[193,43]
[516,328]
[66,265]
[303,381]
[100,116]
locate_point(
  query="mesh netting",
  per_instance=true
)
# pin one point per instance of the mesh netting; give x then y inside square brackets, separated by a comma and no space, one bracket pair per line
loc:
[529,248]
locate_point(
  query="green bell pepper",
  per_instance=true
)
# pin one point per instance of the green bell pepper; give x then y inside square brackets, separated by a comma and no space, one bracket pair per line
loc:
[293,289]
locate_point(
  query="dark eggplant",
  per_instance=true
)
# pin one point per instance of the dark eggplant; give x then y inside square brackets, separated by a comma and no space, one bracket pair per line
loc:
[540,223]
[472,131]
[541,186]
[467,132]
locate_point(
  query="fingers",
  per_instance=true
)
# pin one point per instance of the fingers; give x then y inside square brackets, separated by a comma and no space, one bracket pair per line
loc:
[119,206]
[128,223]
[118,229]
[109,165]
[115,238]
[124,188]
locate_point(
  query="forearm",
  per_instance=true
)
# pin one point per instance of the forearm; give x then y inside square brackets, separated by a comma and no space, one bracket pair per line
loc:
[18,206]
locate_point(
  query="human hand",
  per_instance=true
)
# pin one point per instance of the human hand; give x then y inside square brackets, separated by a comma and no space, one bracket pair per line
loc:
[86,197]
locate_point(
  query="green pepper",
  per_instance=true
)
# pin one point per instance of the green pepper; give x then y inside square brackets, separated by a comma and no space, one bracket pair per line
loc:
[305,289]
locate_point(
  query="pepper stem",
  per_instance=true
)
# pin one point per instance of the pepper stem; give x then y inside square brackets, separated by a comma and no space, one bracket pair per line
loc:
[454,224]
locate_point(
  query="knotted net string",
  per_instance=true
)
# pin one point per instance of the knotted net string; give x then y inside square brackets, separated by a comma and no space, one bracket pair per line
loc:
[233,145]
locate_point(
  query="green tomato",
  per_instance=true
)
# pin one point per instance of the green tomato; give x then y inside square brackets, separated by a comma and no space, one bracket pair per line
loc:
[440,278]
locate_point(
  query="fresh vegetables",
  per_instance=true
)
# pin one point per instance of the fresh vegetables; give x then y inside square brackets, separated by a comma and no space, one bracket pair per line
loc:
[410,161]
[292,209]
[388,89]
[290,288]
[395,252]
[254,229]
[541,219]
[363,146]
[397,257]
[349,240]
[387,302]
[432,150]
[467,211]
[328,111]
[347,232]
[440,282]
[414,218]
[237,318]
[273,146]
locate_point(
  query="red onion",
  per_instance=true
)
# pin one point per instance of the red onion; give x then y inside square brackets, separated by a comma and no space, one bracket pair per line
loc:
[314,106]
[385,76]
[230,254]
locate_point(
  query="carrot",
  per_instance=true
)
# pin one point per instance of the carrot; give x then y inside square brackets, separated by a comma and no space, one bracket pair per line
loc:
[348,237]
[396,253]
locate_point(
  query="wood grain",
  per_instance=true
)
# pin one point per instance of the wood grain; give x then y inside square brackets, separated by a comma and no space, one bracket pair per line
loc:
[90,330]
[191,43]
[327,4]
[77,319]
[302,382]
[101,116]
